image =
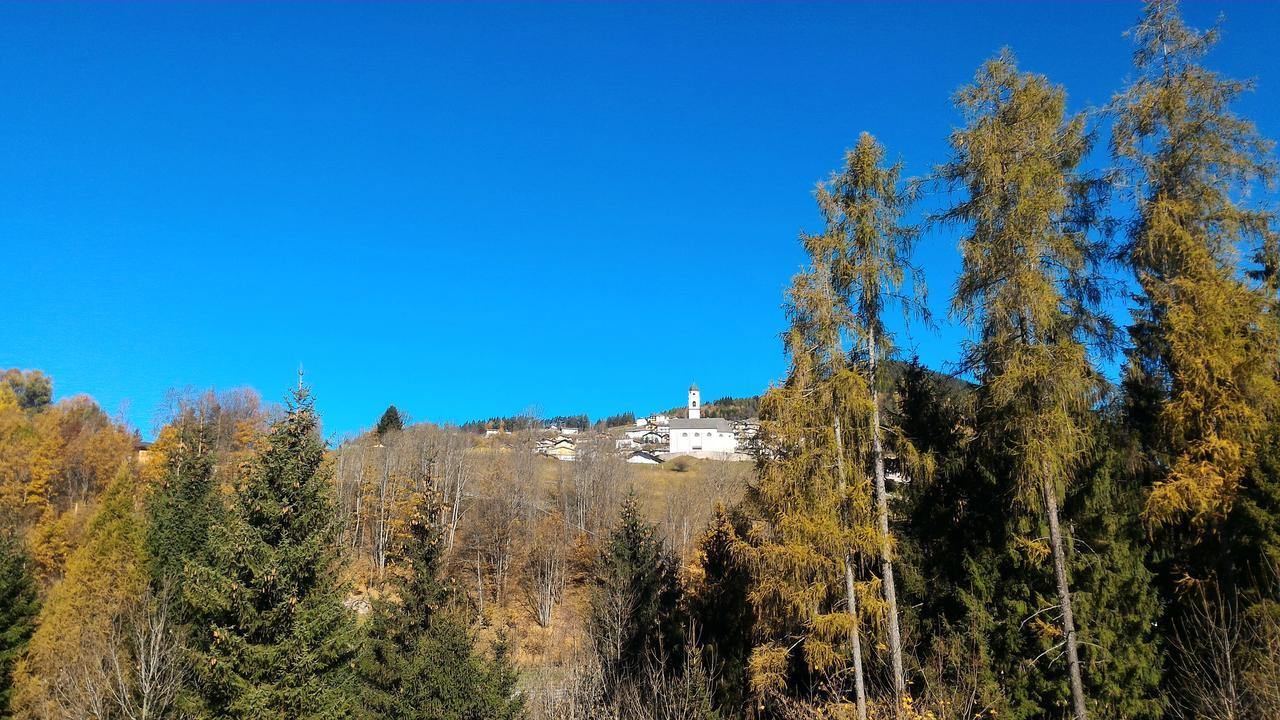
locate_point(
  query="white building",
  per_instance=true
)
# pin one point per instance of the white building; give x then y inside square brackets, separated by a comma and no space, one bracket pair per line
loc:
[640,457]
[699,435]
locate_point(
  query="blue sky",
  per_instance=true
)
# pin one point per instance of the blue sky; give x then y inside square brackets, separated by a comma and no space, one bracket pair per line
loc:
[470,209]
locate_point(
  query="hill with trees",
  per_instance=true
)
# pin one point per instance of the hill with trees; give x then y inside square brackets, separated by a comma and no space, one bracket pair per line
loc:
[1023,539]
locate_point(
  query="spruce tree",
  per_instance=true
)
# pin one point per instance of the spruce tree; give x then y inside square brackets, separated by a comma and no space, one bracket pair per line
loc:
[1115,589]
[183,506]
[718,600]
[389,422]
[272,638]
[1025,286]
[418,659]
[1202,372]
[19,605]
[634,617]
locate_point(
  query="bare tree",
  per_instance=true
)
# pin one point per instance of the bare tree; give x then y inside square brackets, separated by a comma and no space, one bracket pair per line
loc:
[132,671]
[590,488]
[546,569]
[1208,646]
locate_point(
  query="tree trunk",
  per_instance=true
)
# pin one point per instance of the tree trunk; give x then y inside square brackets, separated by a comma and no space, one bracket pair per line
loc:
[1064,599]
[851,598]
[886,547]
[855,637]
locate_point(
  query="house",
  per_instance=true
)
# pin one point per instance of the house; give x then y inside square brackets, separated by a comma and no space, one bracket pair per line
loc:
[640,457]
[652,437]
[625,443]
[697,434]
[561,448]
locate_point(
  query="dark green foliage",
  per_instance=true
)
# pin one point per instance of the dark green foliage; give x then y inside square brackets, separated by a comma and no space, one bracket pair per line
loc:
[418,659]
[391,421]
[182,509]
[720,608]
[1119,609]
[272,638]
[1254,522]
[732,408]
[633,606]
[18,607]
[626,418]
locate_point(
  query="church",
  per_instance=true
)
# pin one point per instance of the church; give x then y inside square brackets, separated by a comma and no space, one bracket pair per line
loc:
[699,436]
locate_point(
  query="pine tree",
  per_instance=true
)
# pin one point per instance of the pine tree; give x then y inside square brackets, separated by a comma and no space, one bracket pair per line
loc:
[1024,285]
[1114,588]
[418,658]
[184,506]
[634,602]
[1202,372]
[717,596]
[273,639]
[18,607]
[389,422]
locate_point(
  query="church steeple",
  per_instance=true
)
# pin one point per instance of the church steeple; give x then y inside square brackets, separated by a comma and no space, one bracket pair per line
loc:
[695,407]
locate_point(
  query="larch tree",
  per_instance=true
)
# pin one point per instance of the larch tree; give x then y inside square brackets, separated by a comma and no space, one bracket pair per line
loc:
[62,672]
[272,638]
[1024,287]
[867,247]
[1202,372]
[818,522]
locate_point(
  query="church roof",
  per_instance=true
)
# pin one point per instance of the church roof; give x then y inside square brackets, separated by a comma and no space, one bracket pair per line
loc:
[702,424]
[693,387]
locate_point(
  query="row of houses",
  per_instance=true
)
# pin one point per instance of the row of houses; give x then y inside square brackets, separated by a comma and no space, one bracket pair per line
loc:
[565,448]
[658,436]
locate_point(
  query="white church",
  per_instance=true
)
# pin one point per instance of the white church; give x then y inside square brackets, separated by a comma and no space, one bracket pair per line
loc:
[699,436]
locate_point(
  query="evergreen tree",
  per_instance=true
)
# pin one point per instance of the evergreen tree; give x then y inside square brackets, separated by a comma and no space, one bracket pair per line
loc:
[418,658]
[634,617]
[1115,590]
[389,422]
[18,607]
[1202,372]
[719,604]
[272,637]
[184,506]
[1024,285]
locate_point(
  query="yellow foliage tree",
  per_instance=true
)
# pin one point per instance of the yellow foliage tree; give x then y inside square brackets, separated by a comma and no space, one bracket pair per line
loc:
[103,577]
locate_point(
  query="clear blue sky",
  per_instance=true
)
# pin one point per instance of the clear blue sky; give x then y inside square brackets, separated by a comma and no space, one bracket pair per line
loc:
[470,209]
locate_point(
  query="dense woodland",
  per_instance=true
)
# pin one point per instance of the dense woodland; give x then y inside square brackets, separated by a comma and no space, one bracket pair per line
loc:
[1037,543]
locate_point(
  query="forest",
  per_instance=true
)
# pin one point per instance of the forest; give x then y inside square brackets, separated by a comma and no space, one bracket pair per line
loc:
[1083,520]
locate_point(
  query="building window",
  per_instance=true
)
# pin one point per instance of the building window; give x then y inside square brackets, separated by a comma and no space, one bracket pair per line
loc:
[684,434]
[695,403]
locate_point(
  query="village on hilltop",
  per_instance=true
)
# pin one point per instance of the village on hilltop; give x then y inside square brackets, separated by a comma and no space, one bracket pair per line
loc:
[658,437]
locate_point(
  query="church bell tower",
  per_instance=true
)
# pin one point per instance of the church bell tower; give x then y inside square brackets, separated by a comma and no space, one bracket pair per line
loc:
[695,410]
